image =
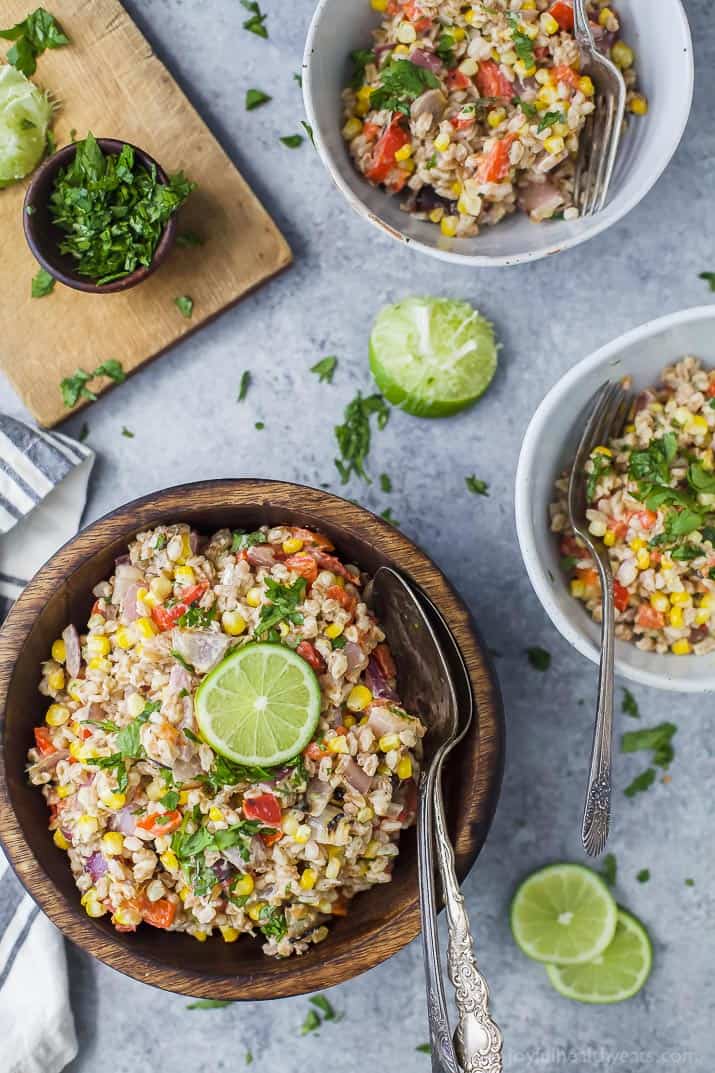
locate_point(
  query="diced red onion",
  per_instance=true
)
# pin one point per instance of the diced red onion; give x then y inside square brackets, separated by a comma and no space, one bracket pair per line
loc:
[47,763]
[354,774]
[122,560]
[354,655]
[261,555]
[73,657]
[201,648]
[124,576]
[178,679]
[129,609]
[318,795]
[224,869]
[541,198]
[124,821]
[95,865]
[382,721]
[421,58]
[376,681]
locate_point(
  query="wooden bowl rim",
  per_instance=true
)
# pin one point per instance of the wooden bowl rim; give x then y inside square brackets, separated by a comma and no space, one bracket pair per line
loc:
[38,244]
[382,941]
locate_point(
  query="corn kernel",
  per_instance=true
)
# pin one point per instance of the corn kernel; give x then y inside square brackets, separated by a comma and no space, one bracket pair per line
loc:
[99,663]
[442,142]
[404,768]
[578,589]
[371,850]
[228,933]
[169,860]
[666,563]
[469,16]
[283,629]
[406,33]
[59,653]
[702,616]
[254,911]
[680,598]
[98,645]
[114,800]
[549,24]
[338,745]
[403,153]
[253,597]
[59,840]
[509,57]
[543,76]
[659,602]
[233,623]
[681,647]
[379,5]
[388,742]
[351,129]
[155,790]
[522,71]
[436,215]
[469,67]
[184,893]
[123,638]
[244,886]
[145,627]
[586,86]
[358,698]
[126,916]
[92,905]
[112,844]
[161,586]
[457,33]
[676,617]
[706,600]
[215,814]
[73,687]
[637,544]
[57,715]
[609,538]
[362,100]
[622,55]
[292,545]
[148,599]
[554,145]
[349,721]
[333,630]
[56,680]
[135,704]
[308,879]
[64,791]
[87,826]
[638,104]
[302,835]
[496,117]
[697,424]
[200,935]
[604,16]
[643,559]
[400,50]
[332,869]
[183,797]
[365,815]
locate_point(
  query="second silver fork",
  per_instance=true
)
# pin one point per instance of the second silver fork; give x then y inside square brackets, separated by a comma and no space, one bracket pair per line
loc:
[609,410]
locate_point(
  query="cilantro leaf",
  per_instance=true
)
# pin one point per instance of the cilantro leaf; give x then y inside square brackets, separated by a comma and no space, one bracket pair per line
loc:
[630,705]
[42,284]
[530,110]
[709,277]
[360,57]
[272,922]
[283,605]
[643,876]
[657,739]
[241,541]
[388,516]
[548,120]
[354,435]
[185,305]
[325,368]
[385,483]
[325,1006]
[523,45]
[423,1048]
[37,32]
[311,1022]
[309,131]
[170,800]
[402,82]
[255,24]
[539,658]
[292,140]
[255,98]
[243,385]
[641,783]
[74,387]
[609,869]
[445,49]
[197,618]
[127,432]
[477,486]
[210,1004]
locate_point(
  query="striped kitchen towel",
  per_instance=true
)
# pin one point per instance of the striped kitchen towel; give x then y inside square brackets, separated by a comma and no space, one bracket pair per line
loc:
[43,488]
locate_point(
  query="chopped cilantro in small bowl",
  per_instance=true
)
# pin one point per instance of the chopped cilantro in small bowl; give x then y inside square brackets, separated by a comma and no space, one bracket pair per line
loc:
[100,214]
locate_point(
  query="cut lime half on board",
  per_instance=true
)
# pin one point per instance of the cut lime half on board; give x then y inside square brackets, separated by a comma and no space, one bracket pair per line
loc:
[432,356]
[564,914]
[616,974]
[25,114]
[260,706]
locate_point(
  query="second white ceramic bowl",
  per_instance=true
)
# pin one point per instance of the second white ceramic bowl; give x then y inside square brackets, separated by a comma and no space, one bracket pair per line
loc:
[665,70]
[548,449]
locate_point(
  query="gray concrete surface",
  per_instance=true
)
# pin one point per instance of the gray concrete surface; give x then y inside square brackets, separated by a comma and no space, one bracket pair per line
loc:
[548,316]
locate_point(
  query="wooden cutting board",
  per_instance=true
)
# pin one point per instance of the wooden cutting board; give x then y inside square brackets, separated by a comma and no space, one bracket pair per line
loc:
[110,82]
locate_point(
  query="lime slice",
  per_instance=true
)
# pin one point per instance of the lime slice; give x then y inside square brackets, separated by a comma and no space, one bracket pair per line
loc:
[616,974]
[563,913]
[25,113]
[432,356]
[260,706]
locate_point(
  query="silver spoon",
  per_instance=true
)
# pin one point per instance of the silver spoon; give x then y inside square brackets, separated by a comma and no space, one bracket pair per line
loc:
[427,686]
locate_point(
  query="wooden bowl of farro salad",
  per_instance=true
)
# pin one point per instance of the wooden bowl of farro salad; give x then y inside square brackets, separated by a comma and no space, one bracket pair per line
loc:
[651,496]
[206,768]
[456,127]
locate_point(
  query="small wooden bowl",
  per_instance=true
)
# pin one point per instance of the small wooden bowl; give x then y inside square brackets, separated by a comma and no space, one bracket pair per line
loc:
[44,238]
[381,921]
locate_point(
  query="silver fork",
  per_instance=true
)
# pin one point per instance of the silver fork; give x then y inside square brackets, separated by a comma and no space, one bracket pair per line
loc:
[602,132]
[609,410]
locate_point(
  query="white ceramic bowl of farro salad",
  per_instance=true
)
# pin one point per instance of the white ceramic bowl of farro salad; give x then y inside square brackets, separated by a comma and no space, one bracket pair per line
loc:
[219,740]
[650,501]
[455,127]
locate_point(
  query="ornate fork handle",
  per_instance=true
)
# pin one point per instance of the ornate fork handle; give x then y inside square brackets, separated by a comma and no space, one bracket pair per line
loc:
[478,1040]
[597,808]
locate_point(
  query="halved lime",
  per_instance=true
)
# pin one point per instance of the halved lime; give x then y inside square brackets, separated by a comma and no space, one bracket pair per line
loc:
[564,914]
[616,974]
[432,356]
[260,706]
[25,113]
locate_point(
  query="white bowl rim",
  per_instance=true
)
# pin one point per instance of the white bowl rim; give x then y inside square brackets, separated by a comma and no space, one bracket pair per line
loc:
[598,223]
[537,427]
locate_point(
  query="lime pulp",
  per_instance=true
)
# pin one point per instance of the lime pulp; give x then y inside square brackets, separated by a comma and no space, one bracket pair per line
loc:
[616,974]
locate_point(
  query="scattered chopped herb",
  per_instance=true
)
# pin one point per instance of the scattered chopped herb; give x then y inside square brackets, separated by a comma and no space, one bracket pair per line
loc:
[256,23]
[549,118]
[112,209]
[191,736]
[643,876]
[599,465]
[523,45]
[242,541]
[530,110]
[652,465]
[387,515]
[42,284]
[630,705]
[309,131]
[360,57]
[423,1048]
[709,277]
[539,658]
[689,882]
[74,388]
[325,1007]
[402,82]
[209,1004]
[127,432]
[686,552]
[225,773]
[249,1058]
[609,869]
[170,799]
[83,432]
[641,783]
[32,36]
[185,305]
[180,659]
[255,98]
[339,642]
[385,483]
[103,724]
[186,239]
[260,425]
[272,922]
[298,77]
[161,542]
[479,487]
[292,140]
[567,563]
[657,739]
[283,606]
[325,368]
[310,1024]
[354,435]
[445,49]
[51,147]
[432,162]
[197,618]
[243,385]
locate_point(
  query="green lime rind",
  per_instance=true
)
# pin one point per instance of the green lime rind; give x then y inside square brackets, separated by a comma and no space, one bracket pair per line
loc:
[563,914]
[615,975]
[25,113]
[260,706]
[432,357]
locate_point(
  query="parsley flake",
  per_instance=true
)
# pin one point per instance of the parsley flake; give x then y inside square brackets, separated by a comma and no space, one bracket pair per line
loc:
[256,23]
[630,705]
[185,305]
[385,483]
[310,1024]
[539,658]
[127,432]
[243,386]
[643,876]
[477,486]
[42,284]
[325,368]
[401,83]
[74,387]
[709,277]
[37,32]
[292,140]
[354,435]
[255,98]
[210,1004]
